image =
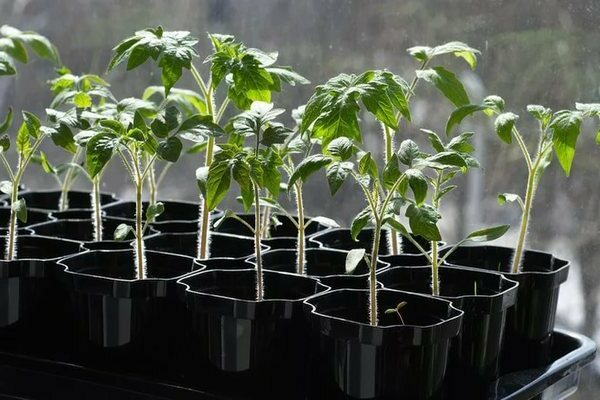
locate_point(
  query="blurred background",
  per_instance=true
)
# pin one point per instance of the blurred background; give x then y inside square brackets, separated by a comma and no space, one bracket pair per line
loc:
[543,52]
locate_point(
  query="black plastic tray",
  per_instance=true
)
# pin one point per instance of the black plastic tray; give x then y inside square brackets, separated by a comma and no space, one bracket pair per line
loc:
[26,377]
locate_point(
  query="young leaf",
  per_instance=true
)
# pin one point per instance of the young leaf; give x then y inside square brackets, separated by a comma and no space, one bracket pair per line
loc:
[23,141]
[541,113]
[397,226]
[461,113]
[202,179]
[504,198]
[504,124]
[122,231]
[218,182]
[154,210]
[408,152]
[418,184]
[324,221]
[565,126]
[275,134]
[342,148]
[63,137]
[359,222]
[488,234]
[99,151]
[199,127]
[462,143]
[337,172]
[82,100]
[391,172]
[4,143]
[308,166]
[423,221]
[166,121]
[459,49]
[353,259]
[367,166]
[170,149]
[21,209]
[48,168]
[447,83]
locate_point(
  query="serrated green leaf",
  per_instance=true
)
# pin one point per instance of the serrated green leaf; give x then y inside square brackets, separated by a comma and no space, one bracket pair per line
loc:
[435,140]
[23,141]
[275,134]
[63,137]
[461,113]
[170,149]
[99,150]
[445,160]
[309,166]
[565,127]
[367,166]
[199,127]
[447,83]
[6,65]
[217,184]
[82,100]
[166,121]
[391,172]
[462,143]
[342,148]
[541,113]
[504,125]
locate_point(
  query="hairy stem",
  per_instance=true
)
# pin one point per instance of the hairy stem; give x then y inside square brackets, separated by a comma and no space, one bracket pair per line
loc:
[140,259]
[372,278]
[11,244]
[301,245]
[260,290]
[153,189]
[516,262]
[96,210]
[63,201]
[435,280]
[389,151]
[204,231]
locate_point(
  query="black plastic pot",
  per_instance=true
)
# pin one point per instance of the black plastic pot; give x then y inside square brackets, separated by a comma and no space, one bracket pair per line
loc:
[47,200]
[32,300]
[528,338]
[123,322]
[253,348]
[221,244]
[341,239]
[285,229]
[390,361]
[178,217]
[74,214]
[33,217]
[484,297]
[83,231]
[328,265]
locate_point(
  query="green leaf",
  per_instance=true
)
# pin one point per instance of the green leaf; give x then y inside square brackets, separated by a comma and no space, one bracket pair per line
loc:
[48,168]
[353,259]
[541,113]
[170,149]
[32,124]
[461,113]
[435,140]
[287,75]
[324,221]
[63,137]
[199,127]
[309,166]
[462,143]
[275,134]
[7,122]
[20,208]
[217,184]
[504,124]
[6,187]
[154,210]
[445,160]
[391,172]
[418,184]
[337,172]
[408,152]
[122,231]
[82,100]
[488,234]
[565,126]
[40,45]
[504,198]
[367,166]
[342,148]
[423,221]
[359,222]
[173,50]
[271,173]
[459,49]
[166,121]
[447,83]
[444,192]
[99,151]
[23,141]
[396,225]
[6,65]
[4,143]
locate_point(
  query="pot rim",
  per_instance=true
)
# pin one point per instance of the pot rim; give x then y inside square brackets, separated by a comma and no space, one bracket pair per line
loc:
[26,237]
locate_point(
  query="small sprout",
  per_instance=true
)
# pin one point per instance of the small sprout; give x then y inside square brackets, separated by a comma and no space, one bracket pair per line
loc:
[122,231]
[397,310]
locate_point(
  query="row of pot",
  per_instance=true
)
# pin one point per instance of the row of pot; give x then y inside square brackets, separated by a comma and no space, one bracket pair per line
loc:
[204,328]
